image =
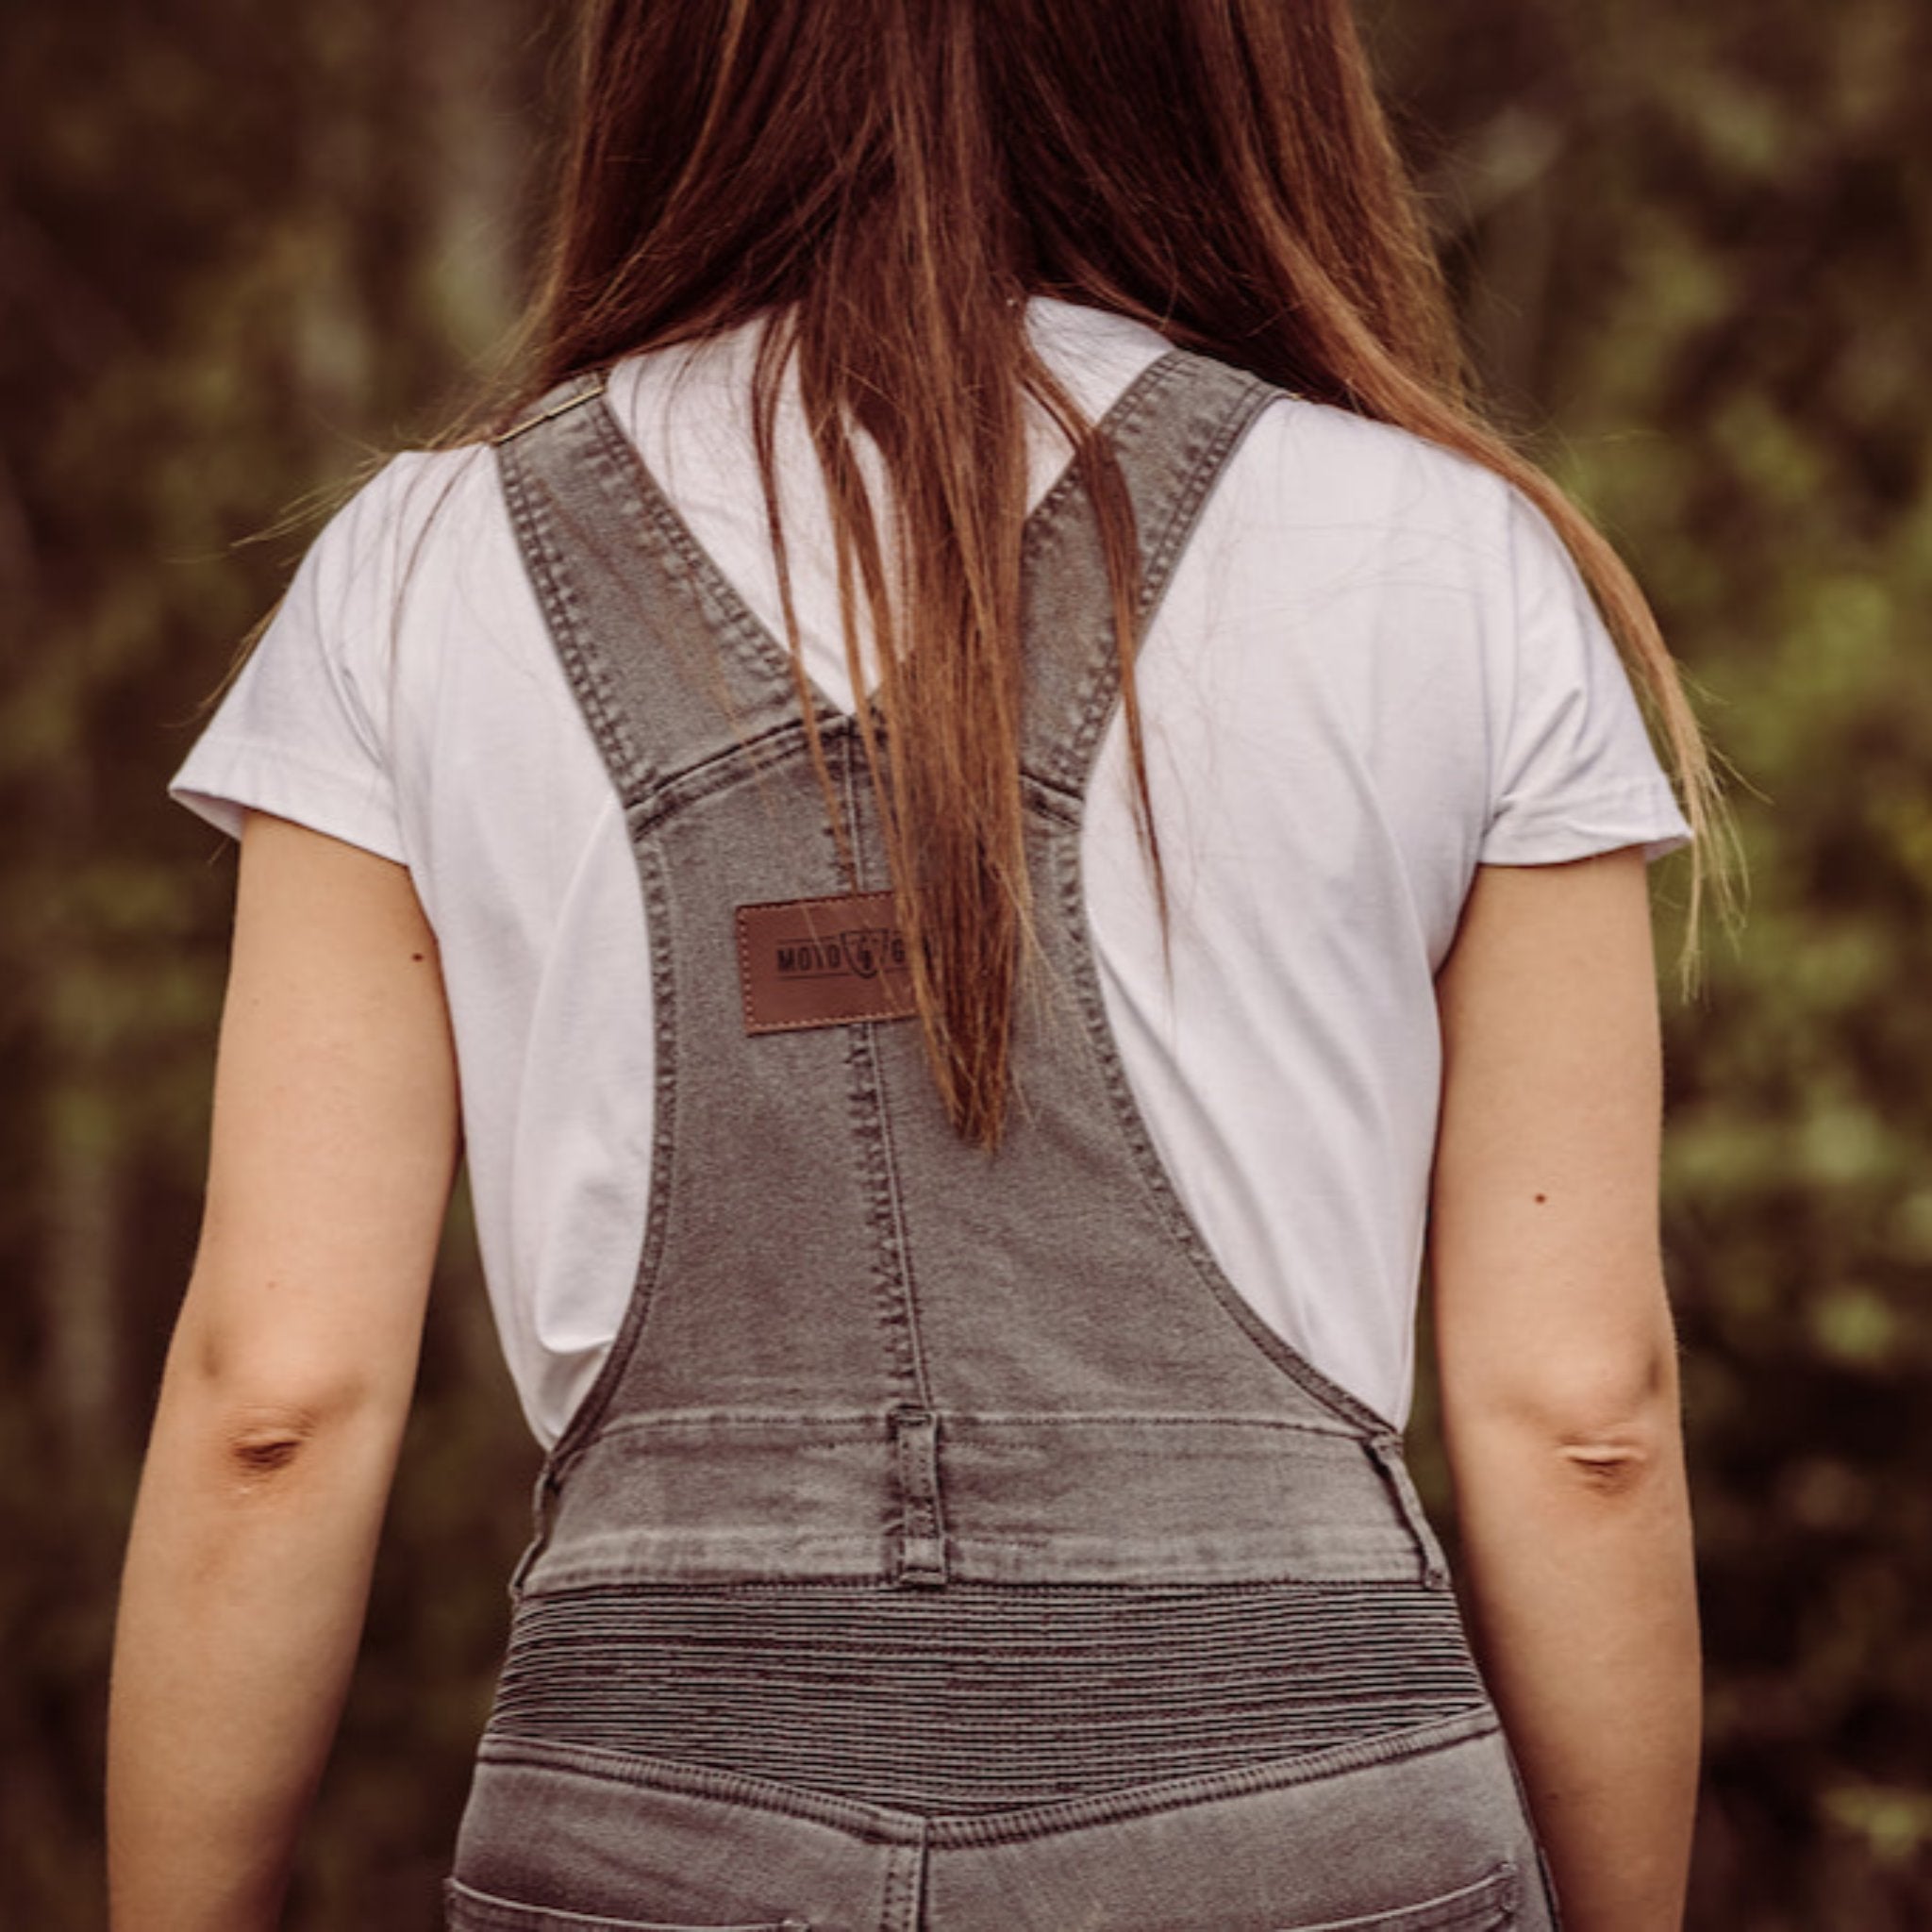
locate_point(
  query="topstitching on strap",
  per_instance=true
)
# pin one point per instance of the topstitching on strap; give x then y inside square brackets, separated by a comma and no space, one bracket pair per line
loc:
[611,556]
[1172,434]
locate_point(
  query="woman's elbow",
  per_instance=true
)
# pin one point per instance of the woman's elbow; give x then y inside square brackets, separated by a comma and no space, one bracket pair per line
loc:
[1613,1463]
[1605,1426]
[268,1422]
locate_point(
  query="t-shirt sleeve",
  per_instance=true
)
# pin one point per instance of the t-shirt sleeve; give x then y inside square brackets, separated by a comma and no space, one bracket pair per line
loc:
[304,732]
[1575,771]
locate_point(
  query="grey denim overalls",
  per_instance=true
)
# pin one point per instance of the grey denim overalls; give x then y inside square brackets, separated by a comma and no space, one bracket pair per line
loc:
[946,1545]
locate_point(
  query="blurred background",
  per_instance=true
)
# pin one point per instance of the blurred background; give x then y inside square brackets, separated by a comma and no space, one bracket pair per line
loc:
[246,249]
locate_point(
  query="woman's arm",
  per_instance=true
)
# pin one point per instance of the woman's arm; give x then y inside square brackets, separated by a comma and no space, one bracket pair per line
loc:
[287,1385]
[1558,1373]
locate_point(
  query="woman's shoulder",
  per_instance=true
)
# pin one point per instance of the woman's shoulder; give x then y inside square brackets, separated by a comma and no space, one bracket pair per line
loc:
[1323,462]
[424,536]
[412,499]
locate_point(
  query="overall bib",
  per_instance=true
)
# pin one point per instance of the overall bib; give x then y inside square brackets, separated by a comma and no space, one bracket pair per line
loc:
[946,1543]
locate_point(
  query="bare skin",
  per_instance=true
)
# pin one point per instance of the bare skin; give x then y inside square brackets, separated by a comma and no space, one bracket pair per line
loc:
[1558,1373]
[335,1142]
[287,1385]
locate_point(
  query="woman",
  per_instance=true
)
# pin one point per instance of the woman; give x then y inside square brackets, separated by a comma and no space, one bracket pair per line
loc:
[981,1503]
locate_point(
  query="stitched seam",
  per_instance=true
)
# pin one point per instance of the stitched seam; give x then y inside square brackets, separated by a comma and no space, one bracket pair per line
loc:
[904,1882]
[744,972]
[818,899]
[1185,490]
[521,467]
[969,1417]
[758,654]
[888,1254]
[868,1017]
[713,771]
[522,478]
[1036,1540]
[873,1824]
[1157,1188]
[896,1201]
[1497,1891]
[872,1143]
[1176,485]
[584,1426]
[880,1824]
[1225,423]
[717,774]
[1084,1813]
[1134,403]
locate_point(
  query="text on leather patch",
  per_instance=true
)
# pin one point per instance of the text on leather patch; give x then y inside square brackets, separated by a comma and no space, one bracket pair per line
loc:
[823,962]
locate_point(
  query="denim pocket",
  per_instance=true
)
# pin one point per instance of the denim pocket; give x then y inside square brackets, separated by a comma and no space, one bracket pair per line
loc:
[1489,1905]
[477,1912]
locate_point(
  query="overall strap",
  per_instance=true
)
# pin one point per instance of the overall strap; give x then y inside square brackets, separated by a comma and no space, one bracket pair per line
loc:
[611,559]
[1171,432]
[853,1350]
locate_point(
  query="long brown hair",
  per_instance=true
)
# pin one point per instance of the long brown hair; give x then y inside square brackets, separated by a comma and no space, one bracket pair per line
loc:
[886,181]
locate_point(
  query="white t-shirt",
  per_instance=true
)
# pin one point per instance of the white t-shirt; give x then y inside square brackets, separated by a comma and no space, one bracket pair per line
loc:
[1374,669]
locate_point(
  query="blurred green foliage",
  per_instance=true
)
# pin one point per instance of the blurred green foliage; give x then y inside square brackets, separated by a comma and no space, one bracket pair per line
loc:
[1696,245]
[242,248]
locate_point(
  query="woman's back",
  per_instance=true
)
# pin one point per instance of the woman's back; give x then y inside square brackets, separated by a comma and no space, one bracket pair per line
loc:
[1315,912]
[1373,670]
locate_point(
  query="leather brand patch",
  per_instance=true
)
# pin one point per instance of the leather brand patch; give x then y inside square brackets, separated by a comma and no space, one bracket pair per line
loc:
[823,962]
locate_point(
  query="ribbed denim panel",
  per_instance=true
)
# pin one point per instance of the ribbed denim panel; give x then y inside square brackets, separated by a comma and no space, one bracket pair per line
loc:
[980,1700]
